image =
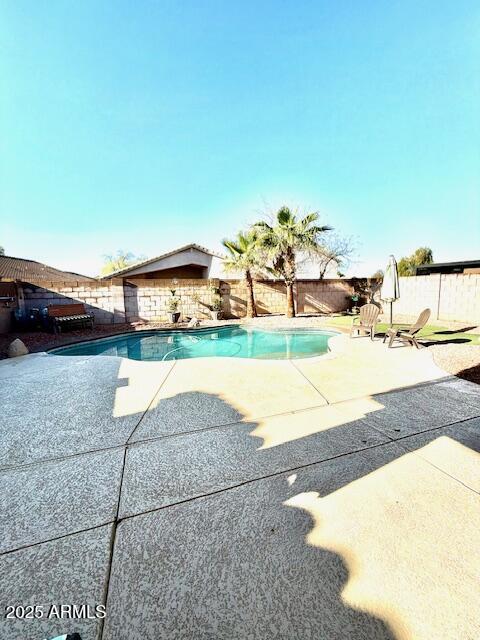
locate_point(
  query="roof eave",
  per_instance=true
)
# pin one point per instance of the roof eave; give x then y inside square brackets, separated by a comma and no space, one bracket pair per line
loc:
[145,263]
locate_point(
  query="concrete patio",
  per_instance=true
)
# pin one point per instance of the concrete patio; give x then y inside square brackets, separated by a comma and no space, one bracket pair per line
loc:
[327,498]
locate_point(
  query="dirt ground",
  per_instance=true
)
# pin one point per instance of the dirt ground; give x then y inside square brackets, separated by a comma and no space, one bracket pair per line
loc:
[459,359]
[41,340]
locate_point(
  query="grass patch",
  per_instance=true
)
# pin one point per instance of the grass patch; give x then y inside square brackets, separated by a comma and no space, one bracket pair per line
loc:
[430,333]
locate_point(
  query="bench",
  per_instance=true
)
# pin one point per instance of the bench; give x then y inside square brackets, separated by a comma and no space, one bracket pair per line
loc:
[61,315]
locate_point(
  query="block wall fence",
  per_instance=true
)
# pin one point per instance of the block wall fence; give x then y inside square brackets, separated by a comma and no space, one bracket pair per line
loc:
[450,297]
[114,301]
[104,299]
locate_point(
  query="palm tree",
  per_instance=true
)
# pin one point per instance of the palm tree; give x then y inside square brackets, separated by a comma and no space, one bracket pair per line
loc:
[284,239]
[244,256]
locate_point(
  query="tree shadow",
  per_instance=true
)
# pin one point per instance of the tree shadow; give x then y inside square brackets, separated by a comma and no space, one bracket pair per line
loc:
[432,343]
[471,373]
[269,538]
[428,341]
[452,331]
[265,579]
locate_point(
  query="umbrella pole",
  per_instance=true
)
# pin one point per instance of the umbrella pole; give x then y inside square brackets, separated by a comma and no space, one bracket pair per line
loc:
[391,315]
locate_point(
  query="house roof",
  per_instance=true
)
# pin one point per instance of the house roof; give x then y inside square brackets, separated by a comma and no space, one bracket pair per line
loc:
[32,271]
[438,267]
[144,263]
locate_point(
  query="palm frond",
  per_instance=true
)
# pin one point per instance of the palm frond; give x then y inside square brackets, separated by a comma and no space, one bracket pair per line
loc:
[309,219]
[261,225]
[231,246]
[285,216]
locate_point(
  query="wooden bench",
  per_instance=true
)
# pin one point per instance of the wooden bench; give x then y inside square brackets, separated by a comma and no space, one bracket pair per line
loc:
[64,314]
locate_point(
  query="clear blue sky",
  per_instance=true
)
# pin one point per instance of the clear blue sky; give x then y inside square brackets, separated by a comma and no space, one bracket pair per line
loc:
[148,125]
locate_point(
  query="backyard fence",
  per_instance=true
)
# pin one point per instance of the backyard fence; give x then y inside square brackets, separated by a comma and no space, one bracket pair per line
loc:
[114,301]
[450,297]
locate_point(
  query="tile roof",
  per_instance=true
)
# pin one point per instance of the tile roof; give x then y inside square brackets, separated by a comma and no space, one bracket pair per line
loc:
[32,271]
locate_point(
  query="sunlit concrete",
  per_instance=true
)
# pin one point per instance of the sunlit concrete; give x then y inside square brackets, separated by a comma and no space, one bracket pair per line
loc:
[359,367]
[409,537]
[454,450]
[278,430]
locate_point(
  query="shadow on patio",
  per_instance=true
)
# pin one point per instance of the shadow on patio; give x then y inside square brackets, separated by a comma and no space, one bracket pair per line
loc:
[310,523]
[325,530]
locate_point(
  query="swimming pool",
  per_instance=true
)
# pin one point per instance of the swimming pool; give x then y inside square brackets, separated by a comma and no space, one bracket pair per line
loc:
[228,341]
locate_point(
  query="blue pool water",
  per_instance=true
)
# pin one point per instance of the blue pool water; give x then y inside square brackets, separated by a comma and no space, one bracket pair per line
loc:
[229,341]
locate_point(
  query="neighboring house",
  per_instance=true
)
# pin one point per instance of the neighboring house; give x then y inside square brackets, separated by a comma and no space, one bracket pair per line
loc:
[189,262]
[22,270]
[465,267]
[17,272]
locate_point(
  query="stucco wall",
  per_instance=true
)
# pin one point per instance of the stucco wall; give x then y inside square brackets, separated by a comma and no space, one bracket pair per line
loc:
[188,272]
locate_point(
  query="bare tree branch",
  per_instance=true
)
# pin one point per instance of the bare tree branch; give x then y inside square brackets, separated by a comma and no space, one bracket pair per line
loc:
[336,252]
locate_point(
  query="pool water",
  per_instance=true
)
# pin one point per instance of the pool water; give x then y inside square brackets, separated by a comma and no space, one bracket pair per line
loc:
[229,341]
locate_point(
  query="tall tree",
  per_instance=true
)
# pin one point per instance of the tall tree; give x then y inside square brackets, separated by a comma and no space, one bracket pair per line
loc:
[244,256]
[2,251]
[422,255]
[283,239]
[407,266]
[120,260]
[336,252]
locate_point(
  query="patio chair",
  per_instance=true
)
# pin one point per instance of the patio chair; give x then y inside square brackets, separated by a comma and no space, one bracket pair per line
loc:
[408,334]
[366,321]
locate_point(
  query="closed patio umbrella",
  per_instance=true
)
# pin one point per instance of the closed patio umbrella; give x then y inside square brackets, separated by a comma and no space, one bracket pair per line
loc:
[390,285]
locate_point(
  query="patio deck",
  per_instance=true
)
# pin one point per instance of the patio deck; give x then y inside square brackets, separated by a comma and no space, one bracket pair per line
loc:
[332,497]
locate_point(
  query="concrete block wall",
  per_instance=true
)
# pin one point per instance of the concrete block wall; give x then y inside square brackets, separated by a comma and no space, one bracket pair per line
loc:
[449,296]
[312,296]
[103,299]
[459,298]
[323,296]
[148,299]
[270,297]
[417,293]
[113,301]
